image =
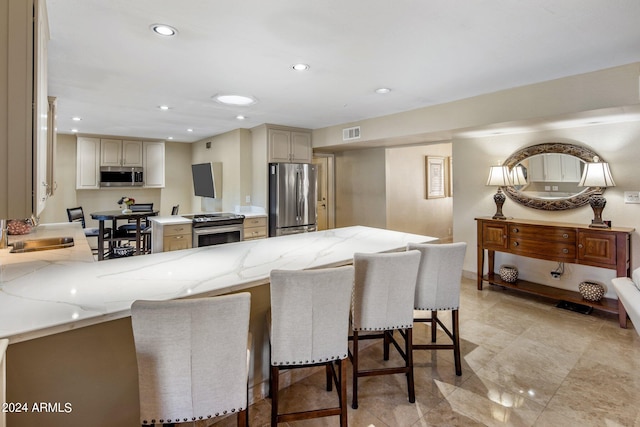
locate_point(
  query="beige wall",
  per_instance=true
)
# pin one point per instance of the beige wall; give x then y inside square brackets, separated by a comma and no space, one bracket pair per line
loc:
[616,143]
[407,207]
[360,188]
[233,151]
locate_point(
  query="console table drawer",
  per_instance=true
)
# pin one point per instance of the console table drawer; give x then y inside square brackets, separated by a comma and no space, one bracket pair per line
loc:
[543,249]
[545,234]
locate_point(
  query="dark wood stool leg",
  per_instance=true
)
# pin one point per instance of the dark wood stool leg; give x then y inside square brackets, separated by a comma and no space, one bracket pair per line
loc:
[386,341]
[409,352]
[434,325]
[342,367]
[327,369]
[456,341]
[354,402]
[274,396]
[243,417]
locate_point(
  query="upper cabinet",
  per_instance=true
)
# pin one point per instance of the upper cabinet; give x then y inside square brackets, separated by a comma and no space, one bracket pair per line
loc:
[554,168]
[153,155]
[92,153]
[289,146]
[87,163]
[115,152]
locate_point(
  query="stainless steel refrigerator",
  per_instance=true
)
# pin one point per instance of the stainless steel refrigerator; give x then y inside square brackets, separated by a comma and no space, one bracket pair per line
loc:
[292,198]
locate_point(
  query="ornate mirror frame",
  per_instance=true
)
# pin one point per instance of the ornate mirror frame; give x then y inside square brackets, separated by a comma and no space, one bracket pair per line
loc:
[572,202]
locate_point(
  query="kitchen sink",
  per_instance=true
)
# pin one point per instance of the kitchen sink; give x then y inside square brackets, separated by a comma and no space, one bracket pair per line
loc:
[42,244]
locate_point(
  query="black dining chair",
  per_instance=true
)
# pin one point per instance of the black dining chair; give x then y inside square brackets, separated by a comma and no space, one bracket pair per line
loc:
[128,231]
[77,215]
[174,210]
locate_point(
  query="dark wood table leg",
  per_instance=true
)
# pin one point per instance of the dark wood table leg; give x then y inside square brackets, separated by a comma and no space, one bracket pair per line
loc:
[101,240]
[138,234]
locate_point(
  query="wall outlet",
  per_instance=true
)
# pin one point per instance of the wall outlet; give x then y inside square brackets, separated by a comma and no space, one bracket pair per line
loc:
[547,188]
[247,199]
[554,187]
[555,275]
[632,196]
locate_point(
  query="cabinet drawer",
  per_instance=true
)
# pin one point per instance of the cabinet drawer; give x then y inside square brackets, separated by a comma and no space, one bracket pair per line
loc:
[251,233]
[175,243]
[260,221]
[546,234]
[176,229]
[542,249]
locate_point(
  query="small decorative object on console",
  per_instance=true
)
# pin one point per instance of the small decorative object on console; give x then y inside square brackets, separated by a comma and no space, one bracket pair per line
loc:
[128,201]
[508,273]
[591,291]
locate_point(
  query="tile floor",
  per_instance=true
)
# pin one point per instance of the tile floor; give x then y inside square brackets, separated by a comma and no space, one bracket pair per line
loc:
[525,363]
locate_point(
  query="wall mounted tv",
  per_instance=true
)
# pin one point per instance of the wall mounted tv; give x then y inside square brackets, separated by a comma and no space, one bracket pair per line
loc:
[203,182]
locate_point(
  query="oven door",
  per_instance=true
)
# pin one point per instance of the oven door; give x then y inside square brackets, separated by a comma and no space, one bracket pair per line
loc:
[208,236]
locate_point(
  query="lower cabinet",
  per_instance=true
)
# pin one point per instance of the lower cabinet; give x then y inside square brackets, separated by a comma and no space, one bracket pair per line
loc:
[168,237]
[255,228]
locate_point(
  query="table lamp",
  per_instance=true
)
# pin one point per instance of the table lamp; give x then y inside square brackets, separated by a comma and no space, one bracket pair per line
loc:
[598,175]
[499,176]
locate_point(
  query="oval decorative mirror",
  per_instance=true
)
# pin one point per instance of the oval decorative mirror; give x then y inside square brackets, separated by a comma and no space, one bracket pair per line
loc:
[546,176]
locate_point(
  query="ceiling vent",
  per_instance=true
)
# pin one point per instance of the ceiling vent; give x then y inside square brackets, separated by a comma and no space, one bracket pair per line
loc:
[349,134]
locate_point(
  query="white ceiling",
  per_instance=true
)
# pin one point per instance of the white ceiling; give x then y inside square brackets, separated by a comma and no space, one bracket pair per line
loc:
[106,66]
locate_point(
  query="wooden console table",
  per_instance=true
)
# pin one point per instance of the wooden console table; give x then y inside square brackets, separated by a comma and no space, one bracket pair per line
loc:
[555,241]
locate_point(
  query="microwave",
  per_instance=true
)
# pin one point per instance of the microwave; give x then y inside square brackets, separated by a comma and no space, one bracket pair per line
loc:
[119,176]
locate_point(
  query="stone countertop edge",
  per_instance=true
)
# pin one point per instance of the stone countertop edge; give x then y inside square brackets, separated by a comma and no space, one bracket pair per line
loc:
[55,291]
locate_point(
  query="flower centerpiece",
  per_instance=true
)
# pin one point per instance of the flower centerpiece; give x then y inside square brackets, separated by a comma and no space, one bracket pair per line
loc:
[127,201]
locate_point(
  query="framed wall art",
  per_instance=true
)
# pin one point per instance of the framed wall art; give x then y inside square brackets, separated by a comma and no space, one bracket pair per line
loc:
[435,171]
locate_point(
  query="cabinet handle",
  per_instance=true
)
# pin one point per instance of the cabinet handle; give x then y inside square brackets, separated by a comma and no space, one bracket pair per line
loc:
[565,251]
[515,230]
[565,235]
[179,237]
[515,243]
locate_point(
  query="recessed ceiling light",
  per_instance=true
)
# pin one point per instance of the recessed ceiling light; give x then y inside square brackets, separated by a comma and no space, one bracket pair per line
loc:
[76,119]
[74,130]
[235,99]
[169,137]
[300,67]
[164,107]
[240,117]
[189,130]
[383,90]
[163,30]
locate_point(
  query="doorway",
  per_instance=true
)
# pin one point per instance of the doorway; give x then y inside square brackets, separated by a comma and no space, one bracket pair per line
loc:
[325,194]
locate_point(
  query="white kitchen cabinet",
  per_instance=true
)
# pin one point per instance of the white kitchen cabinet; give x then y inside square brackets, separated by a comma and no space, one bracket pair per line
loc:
[115,152]
[153,160]
[554,168]
[23,107]
[289,146]
[87,163]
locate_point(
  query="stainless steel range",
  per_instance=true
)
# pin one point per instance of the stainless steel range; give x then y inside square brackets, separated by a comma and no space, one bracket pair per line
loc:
[216,228]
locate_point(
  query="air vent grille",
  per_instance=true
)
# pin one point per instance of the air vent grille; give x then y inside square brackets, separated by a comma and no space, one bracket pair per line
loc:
[351,133]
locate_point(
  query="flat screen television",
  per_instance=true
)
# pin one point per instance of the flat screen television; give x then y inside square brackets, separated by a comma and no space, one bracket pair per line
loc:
[203,183]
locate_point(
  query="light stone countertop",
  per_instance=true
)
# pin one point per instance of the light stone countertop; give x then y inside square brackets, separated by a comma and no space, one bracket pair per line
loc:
[48,292]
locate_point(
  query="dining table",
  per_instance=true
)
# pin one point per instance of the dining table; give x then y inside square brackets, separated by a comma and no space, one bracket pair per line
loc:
[114,216]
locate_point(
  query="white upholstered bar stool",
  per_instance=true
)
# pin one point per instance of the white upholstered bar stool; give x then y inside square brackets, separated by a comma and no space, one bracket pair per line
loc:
[192,358]
[382,303]
[309,323]
[438,289]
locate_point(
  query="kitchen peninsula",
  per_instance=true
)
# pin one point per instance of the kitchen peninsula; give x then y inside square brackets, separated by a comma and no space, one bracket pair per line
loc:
[68,319]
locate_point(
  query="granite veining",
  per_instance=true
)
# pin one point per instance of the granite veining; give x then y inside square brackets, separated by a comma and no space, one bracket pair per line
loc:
[53,291]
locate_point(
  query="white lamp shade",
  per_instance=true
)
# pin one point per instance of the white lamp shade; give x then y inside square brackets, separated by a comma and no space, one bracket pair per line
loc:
[517,176]
[499,176]
[596,174]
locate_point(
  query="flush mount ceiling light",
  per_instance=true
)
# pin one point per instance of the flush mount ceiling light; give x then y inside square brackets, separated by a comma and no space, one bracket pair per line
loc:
[300,67]
[383,90]
[189,130]
[163,107]
[74,130]
[240,117]
[241,100]
[76,119]
[163,30]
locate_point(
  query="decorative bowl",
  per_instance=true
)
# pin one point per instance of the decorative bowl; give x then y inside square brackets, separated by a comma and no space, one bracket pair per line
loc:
[19,226]
[591,291]
[508,273]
